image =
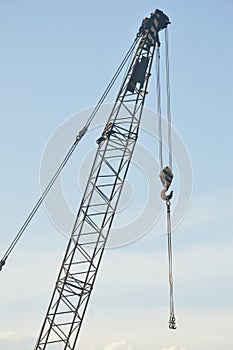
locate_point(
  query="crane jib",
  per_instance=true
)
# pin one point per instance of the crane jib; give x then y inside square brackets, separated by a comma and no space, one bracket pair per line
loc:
[101,196]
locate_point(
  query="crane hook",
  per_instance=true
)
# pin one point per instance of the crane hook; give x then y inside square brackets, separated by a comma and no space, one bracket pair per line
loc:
[164,196]
[166,177]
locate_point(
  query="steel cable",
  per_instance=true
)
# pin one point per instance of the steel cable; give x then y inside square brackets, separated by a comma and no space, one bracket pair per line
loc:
[168,100]
[172,320]
[158,91]
[99,103]
[68,155]
[166,172]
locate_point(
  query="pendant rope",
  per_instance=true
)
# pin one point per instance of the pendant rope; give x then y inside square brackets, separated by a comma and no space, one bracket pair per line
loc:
[68,155]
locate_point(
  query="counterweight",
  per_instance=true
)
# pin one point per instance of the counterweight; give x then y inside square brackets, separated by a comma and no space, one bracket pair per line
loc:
[83,255]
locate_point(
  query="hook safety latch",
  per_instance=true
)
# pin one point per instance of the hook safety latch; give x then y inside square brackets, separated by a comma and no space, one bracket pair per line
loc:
[166,177]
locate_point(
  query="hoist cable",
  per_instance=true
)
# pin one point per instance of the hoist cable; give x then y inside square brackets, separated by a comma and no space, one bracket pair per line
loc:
[67,157]
[169,127]
[168,104]
[166,174]
[172,320]
[158,92]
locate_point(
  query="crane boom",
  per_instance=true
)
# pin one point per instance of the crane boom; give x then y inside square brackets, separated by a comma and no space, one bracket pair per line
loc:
[85,248]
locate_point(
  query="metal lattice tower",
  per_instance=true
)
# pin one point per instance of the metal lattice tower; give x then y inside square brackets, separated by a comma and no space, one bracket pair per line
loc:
[82,258]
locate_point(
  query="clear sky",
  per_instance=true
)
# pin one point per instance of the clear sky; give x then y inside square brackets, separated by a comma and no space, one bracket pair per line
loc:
[56,59]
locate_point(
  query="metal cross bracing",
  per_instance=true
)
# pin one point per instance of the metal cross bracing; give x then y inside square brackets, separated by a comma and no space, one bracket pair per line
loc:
[79,268]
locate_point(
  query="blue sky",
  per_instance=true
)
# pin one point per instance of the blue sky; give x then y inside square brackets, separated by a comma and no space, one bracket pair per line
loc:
[56,60]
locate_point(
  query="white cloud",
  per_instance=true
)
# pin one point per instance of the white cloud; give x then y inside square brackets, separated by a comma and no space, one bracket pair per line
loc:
[130,300]
[122,345]
[208,209]
[10,340]
[5,335]
[174,347]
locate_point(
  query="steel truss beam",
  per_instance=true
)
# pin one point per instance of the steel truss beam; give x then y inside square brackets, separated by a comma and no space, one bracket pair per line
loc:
[76,278]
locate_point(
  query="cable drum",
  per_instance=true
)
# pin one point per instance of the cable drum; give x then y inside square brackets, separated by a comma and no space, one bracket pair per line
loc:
[140,206]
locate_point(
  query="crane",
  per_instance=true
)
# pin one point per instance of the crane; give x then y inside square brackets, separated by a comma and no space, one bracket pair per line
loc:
[85,248]
[115,147]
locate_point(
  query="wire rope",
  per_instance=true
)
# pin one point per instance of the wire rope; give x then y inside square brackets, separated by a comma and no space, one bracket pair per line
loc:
[168,95]
[158,91]
[82,132]
[172,319]
[101,100]
[166,174]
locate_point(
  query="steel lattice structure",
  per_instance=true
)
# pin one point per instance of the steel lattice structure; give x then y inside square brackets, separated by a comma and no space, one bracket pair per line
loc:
[79,268]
